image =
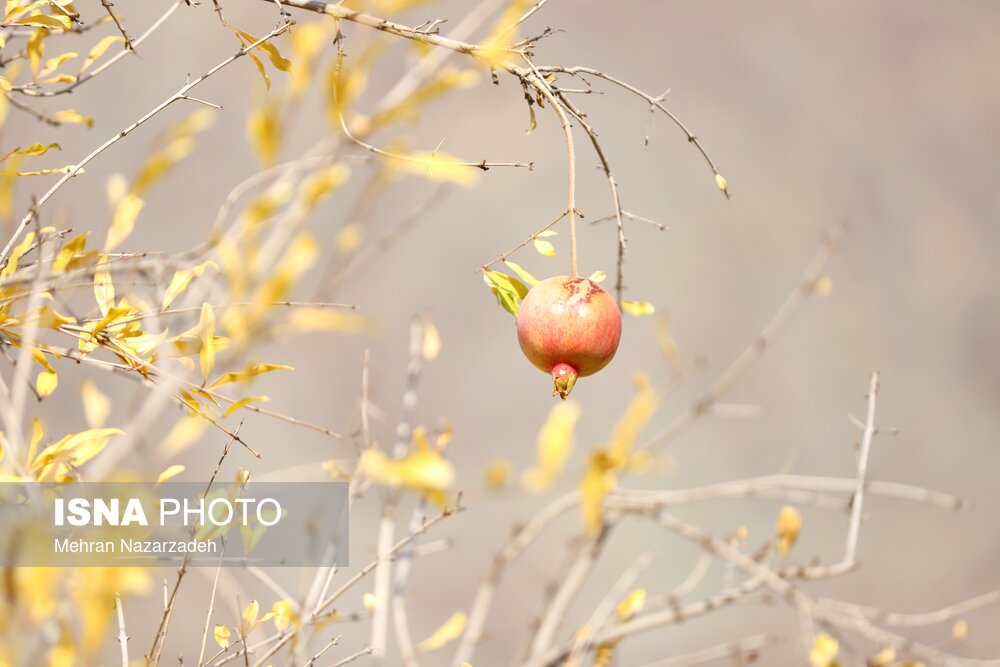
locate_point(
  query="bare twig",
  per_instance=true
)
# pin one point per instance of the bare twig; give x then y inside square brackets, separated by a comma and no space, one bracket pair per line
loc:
[575,577]
[122,635]
[805,287]
[354,656]
[109,6]
[180,94]
[741,651]
[518,542]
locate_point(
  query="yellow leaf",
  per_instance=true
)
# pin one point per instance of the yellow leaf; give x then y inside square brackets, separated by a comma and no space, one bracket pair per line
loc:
[34,149]
[72,116]
[439,166]
[36,49]
[788,527]
[7,181]
[42,361]
[59,22]
[666,341]
[508,290]
[243,402]
[555,442]
[61,78]
[52,64]
[545,248]
[631,605]
[638,308]
[301,254]
[824,650]
[160,163]
[639,410]
[115,188]
[327,319]
[222,636]
[246,374]
[37,433]
[449,631]
[260,68]
[369,601]
[14,9]
[193,123]
[501,38]
[432,340]
[883,658]
[521,273]
[104,288]
[598,481]
[424,470]
[98,50]
[335,471]
[320,184]
[264,131]
[960,630]
[267,204]
[96,405]
[46,383]
[270,49]
[349,238]
[123,221]
[206,334]
[723,184]
[181,279]
[498,474]
[5,84]
[184,433]
[284,616]
[308,41]
[16,254]
[63,458]
[45,172]
[598,276]
[172,471]
[249,616]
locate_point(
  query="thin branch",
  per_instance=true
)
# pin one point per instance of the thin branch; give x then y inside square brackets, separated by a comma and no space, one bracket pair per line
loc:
[741,651]
[430,163]
[34,92]
[571,584]
[387,524]
[109,6]
[603,610]
[522,537]
[319,654]
[504,256]
[781,487]
[354,656]
[183,91]
[647,622]
[538,82]
[738,368]
[122,635]
[654,102]
[358,576]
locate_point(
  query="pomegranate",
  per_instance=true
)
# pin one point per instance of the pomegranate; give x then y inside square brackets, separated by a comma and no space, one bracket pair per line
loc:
[569,327]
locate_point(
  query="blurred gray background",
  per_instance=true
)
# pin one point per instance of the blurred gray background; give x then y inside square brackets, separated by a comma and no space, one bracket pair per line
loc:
[882,114]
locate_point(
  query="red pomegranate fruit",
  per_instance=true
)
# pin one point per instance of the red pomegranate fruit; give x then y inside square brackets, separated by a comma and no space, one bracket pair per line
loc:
[569,327]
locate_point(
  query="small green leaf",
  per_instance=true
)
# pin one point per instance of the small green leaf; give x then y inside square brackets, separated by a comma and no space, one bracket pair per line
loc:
[522,274]
[545,248]
[508,290]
